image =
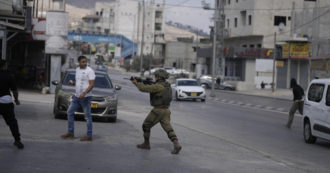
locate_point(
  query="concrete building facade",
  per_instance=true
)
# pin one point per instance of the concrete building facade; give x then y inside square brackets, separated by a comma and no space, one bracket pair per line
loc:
[142,23]
[251,25]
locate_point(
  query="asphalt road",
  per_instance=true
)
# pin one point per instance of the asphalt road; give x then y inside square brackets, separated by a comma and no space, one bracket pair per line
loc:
[230,133]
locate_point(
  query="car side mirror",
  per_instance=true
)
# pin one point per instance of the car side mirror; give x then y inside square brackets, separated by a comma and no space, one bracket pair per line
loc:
[117,87]
[55,82]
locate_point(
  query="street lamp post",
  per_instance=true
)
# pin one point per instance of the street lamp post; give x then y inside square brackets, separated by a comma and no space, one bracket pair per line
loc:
[206,6]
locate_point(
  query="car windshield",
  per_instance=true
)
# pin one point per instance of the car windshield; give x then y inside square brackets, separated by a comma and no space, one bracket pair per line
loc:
[101,80]
[188,83]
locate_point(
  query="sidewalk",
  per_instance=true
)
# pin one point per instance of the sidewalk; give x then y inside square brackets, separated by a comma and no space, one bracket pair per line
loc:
[282,94]
[35,96]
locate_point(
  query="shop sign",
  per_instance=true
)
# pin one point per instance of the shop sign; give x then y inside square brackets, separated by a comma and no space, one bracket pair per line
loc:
[279,63]
[38,29]
[57,32]
[321,65]
[238,52]
[297,50]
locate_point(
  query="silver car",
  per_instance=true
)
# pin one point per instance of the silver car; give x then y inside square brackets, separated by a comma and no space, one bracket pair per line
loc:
[104,101]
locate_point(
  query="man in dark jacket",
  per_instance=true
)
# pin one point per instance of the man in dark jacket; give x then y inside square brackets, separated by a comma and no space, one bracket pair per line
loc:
[298,101]
[7,84]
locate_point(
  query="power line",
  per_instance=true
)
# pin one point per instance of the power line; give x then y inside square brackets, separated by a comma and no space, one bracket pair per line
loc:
[243,9]
[179,4]
[298,27]
[307,23]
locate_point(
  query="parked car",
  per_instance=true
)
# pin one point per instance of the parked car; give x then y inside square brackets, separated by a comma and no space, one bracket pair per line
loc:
[181,71]
[206,82]
[185,89]
[316,119]
[104,101]
[153,70]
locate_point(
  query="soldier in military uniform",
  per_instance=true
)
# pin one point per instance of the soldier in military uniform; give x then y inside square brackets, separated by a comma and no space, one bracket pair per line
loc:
[160,99]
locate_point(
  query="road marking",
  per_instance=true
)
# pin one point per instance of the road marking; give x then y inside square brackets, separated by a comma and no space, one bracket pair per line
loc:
[269,108]
[255,107]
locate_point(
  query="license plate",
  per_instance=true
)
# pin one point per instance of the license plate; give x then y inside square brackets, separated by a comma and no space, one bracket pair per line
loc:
[94,105]
[193,94]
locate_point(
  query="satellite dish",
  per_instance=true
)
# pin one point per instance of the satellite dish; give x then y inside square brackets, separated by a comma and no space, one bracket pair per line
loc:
[282,26]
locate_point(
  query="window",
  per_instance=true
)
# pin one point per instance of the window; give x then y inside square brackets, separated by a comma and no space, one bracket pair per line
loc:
[251,45]
[228,23]
[315,92]
[259,46]
[101,81]
[159,14]
[158,26]
[279,19]
[188,83]
[243,17]
[244,45]
[289,18]
[235,22]
[328,97]
[250,19]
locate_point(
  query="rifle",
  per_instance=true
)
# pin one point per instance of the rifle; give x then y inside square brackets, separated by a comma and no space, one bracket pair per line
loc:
[146,81]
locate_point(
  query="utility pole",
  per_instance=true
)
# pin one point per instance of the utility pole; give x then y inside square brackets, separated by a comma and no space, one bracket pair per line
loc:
[315,31]
[214,59]
[221,39]
[142,41]
[274,60]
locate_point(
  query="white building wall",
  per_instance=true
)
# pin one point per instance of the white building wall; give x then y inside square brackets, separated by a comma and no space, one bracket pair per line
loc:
[126,17]
[263,13]
[180,53]
[250,71]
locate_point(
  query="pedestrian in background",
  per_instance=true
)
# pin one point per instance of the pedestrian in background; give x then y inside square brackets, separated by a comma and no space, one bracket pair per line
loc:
[8,85]
[298,101]
[84,82]
[160,99]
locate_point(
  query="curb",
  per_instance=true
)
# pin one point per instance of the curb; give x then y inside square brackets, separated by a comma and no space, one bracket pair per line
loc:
[247,94]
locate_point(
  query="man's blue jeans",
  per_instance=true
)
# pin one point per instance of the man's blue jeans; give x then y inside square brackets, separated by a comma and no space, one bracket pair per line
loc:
[85,104]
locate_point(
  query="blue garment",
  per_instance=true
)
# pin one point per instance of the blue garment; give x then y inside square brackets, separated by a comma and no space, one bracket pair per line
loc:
[85,104]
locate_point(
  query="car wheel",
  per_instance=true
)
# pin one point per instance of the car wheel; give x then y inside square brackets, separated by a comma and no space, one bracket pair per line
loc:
[56,114]
[177,97]
[194,100]
[309,138]
[203,100]
[227,89]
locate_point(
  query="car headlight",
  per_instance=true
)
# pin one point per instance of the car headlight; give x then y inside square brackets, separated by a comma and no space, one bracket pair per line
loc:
[180,91]
[111,98]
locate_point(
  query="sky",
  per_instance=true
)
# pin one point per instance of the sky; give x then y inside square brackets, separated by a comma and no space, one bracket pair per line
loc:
[198,17]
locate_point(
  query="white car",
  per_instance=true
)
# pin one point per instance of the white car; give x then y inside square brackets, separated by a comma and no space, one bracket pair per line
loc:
[317,111]
[185,89]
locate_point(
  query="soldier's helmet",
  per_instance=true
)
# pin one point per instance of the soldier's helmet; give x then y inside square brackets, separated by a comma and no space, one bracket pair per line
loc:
[162,73]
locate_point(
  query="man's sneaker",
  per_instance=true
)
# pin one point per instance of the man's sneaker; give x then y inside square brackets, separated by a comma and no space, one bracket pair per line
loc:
[67,136]
[19,144]
[86,138]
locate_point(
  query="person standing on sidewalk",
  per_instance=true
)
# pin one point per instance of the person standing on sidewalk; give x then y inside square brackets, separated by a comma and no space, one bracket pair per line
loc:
[7,84]
[298,101]
[84,83]
[160,99]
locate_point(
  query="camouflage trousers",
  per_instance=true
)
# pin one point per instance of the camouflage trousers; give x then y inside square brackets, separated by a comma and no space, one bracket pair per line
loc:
[162,116]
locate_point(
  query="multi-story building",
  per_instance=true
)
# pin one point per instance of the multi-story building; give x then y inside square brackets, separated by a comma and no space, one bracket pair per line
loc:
[134,20]
[250,27]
